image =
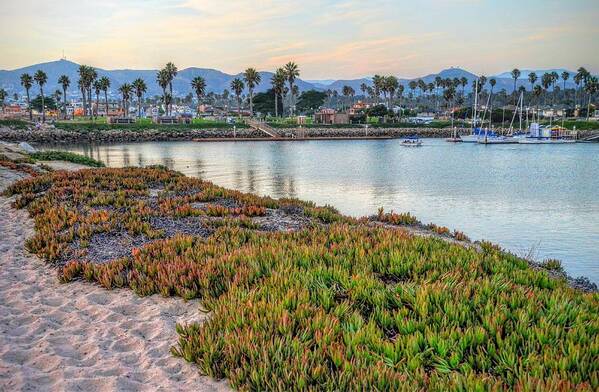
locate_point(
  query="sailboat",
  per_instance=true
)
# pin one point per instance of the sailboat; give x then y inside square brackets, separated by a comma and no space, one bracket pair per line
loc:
[474,132]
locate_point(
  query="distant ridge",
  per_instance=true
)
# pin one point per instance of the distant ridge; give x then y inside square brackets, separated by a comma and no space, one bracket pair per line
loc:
[217,81]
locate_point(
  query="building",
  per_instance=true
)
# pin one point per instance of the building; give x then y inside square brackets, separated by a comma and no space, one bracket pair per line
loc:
[330,116]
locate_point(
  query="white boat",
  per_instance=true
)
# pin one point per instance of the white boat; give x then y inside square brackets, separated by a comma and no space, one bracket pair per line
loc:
[412,141]
[546,135]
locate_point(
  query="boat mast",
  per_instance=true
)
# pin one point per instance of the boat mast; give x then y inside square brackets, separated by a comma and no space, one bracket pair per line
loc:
[475,106]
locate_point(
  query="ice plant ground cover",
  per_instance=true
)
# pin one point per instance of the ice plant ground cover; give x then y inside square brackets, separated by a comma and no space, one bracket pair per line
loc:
[305,298]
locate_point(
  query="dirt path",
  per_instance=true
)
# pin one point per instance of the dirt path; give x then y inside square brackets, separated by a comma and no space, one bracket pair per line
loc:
[78,336]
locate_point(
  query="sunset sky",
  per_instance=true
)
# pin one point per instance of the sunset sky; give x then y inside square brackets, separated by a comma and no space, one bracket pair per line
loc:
[328,39]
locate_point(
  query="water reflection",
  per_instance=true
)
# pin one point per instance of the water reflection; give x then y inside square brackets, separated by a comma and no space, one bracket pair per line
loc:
[519,196]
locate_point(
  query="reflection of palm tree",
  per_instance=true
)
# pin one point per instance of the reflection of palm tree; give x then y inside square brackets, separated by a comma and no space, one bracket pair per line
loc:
[27,82]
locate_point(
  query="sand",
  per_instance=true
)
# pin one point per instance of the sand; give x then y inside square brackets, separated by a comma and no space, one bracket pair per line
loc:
[78,336]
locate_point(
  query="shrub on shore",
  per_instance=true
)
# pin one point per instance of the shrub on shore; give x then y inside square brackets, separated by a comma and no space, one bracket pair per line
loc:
[337,305]
[66,156]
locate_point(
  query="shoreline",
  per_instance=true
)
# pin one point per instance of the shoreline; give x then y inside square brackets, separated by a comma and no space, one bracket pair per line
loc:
[123,135]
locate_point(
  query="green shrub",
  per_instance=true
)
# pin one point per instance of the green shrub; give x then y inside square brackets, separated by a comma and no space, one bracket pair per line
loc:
[66,156]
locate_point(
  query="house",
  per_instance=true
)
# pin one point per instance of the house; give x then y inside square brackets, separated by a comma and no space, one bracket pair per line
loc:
[330,116]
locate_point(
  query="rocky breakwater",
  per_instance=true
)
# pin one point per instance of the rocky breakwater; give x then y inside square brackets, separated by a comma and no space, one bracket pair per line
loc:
[355,132]
[59,136]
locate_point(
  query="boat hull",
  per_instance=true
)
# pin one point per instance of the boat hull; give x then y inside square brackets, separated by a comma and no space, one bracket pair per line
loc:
[545,141]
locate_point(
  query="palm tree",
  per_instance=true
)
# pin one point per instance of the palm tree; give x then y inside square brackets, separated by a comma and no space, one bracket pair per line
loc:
[392,84]
[65,82]
[162,78]
[104,86]
[515,75]
[363,88]
[537,91]
[252,79]
[464,83]
[2,97]
[377,82]
[591,87]
[139,85]
[565,77]
[41,78]
[97,90]
[492,83]
[199,87]
[346,91]
[125,90]
[412,85]
[581,76]
[448,95]
[27,82]
[292,72]
[278,84]
[237,86]
[532,78]
[171,72]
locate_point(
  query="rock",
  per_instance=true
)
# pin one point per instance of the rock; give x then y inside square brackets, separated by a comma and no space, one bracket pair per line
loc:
[28,148]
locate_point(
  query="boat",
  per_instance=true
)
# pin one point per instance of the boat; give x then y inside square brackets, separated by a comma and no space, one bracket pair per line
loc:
[455,138]
[539,134]
[412,141]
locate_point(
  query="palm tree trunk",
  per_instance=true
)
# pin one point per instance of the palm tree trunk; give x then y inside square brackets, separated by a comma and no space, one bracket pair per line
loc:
[29,106]
[589,108]
[97,104]
[138,107]
[251,103]
[170,86]
[238,106]
[106,104]
[43,108]
[276,105]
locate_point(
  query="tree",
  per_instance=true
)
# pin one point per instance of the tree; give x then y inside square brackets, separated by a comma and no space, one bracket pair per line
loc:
[41,78]
[363,88]
[49,103]
[532,78]
[104,86]
[139,85]
[171,72]
[65,82]
[162,78]
[537,91]
[565,77]
[347,91]
[199,87]
[237,86]
[392,84]
[377,82]
[252,79]
[278,85]
[27,82]
[449,95]
[125,91]
[591,87]
[292,72]
[515,75]
[311,100]
[97,90]
[3,95]
[464,82]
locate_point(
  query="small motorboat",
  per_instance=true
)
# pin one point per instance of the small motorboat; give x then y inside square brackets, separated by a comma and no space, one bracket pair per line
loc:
[412,141]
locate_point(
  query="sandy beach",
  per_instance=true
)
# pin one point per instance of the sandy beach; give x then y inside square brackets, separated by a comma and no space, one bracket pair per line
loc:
[80,337]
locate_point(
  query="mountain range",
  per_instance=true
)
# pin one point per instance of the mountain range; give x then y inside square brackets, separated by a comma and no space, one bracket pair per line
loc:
[217,81]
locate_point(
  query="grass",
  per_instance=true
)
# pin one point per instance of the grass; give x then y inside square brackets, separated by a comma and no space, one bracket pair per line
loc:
[338,305]
[65,156]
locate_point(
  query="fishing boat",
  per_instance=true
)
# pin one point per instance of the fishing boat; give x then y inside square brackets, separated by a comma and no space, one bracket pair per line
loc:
[412,141]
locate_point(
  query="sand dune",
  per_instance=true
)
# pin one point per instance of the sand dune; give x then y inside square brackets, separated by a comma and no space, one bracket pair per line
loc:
[79,336]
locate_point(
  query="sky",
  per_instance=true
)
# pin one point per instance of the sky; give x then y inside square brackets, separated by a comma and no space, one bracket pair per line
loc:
[329,39]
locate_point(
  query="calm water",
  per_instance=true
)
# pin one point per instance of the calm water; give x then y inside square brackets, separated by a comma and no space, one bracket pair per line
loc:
[537,197]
